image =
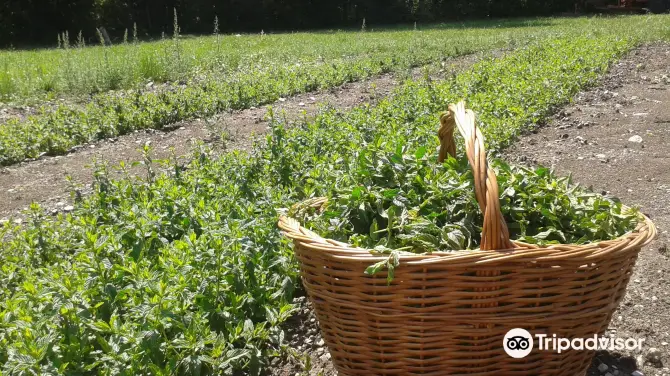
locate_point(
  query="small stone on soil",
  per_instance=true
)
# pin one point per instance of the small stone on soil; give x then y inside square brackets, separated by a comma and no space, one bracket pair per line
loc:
[640,360]
[654,357]
[636,139]
[603,367]
[602,157]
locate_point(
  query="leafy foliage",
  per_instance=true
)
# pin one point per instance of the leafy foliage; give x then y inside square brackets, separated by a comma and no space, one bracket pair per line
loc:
[185,272]
[405,201]
[168,276]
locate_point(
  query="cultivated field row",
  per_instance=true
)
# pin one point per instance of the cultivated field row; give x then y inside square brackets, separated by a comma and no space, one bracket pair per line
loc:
[277,70]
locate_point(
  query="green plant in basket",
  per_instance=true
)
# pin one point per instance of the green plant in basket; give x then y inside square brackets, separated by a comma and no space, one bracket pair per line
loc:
[405,202]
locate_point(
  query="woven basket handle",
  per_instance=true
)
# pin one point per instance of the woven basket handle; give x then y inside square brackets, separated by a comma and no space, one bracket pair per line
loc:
[495,234]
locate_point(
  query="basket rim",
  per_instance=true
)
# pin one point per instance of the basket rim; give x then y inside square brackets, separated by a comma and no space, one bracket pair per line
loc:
[644,233]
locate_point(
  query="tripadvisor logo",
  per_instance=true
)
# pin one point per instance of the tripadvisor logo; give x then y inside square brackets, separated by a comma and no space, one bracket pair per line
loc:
[518,343]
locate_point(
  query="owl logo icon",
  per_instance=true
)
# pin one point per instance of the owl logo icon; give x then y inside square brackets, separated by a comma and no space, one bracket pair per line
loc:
[518,343]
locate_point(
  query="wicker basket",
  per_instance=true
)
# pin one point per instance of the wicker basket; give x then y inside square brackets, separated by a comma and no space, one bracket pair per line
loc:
[448,313]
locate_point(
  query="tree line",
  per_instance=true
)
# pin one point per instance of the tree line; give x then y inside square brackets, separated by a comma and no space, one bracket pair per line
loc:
[34,22]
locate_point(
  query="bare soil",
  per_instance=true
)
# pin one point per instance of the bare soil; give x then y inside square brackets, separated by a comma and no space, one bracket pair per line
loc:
[44,180]
[589,139]
[9,113]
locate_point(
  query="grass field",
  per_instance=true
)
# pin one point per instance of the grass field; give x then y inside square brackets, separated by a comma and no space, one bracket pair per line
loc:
[185,272]
[27,75]
[75,71]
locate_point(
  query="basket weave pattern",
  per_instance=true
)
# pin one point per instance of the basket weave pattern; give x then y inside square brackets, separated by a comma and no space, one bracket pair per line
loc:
[447,313]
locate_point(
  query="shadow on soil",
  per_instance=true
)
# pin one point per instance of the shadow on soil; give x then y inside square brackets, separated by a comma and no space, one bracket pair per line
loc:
[614,361]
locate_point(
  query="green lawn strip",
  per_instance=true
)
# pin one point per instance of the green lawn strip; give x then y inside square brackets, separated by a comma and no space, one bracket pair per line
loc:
[185,272]
[78,70]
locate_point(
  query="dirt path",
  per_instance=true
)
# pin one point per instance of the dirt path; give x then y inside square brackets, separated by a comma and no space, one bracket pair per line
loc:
[44,180]
[590,140]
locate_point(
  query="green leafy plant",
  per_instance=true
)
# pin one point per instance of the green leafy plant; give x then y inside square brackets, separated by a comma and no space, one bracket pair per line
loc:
[6,84]
[405,202]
